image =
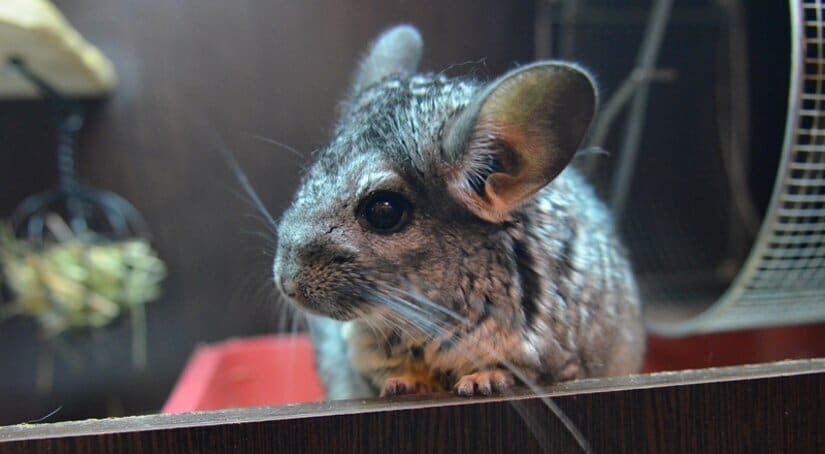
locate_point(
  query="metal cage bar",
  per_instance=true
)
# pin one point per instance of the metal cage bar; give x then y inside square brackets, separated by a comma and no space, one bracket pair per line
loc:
[783,280]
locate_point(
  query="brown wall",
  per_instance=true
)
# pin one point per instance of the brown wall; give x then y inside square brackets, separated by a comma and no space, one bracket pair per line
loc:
[192,74]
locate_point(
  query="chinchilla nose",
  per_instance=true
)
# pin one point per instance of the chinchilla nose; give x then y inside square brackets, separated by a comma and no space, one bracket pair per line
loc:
[285,271]
[290,288]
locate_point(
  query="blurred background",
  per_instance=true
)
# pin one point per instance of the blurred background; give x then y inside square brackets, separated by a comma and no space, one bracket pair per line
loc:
[196,75]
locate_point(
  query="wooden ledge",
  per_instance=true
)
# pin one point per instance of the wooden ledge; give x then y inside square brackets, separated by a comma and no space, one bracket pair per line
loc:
[775,404]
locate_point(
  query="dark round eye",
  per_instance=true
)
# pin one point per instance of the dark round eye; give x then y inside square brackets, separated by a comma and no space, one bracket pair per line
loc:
[385,211]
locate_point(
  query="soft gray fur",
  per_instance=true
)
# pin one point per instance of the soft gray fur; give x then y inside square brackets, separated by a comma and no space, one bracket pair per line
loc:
[467,295]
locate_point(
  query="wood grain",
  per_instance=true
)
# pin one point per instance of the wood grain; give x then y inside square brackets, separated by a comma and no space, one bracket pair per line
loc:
[763,408]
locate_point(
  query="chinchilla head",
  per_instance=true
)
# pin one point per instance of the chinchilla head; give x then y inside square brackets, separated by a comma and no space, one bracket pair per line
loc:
[421,177]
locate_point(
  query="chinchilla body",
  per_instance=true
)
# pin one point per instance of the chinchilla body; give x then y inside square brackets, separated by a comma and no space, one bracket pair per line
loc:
[441,241]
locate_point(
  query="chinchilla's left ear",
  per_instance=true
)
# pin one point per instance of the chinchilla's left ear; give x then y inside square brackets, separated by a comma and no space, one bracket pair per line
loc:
[517,135]
[396,51]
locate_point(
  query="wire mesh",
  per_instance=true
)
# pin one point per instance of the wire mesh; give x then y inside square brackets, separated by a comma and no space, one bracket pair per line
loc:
[783,280]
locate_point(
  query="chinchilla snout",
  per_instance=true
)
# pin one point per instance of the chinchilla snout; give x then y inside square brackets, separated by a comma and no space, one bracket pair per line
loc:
[287,269]
[285,275]
[314,267]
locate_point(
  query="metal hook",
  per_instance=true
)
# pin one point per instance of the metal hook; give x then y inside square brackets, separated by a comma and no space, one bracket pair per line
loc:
[69,120]
[121,216]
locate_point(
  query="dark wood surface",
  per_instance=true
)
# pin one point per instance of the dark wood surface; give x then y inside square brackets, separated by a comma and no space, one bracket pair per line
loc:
[764,408]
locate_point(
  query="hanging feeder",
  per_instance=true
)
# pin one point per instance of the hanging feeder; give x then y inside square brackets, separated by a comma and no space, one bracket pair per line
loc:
[73,257]
[76,256]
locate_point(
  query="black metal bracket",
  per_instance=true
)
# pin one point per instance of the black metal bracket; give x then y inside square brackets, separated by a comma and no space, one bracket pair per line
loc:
[122,217]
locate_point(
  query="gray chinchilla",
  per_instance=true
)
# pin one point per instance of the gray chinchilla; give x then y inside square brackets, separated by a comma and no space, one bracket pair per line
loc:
[441,241]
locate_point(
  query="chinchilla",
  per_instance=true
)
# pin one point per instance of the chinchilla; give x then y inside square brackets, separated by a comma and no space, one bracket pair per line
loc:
[442,241]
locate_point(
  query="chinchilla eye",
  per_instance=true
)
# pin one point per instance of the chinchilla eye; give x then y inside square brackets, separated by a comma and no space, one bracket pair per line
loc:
[385,212]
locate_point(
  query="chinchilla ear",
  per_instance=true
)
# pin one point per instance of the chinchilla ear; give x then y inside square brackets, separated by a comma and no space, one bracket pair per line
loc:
[516,135]
[396,51]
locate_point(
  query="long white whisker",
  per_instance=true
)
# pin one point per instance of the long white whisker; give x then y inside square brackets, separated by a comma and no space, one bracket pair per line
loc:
[376,329]
[409,310]
[280,144]
[431,305]
[246,185]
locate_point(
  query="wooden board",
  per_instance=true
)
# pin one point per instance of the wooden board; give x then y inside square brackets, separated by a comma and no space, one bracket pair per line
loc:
[774,407]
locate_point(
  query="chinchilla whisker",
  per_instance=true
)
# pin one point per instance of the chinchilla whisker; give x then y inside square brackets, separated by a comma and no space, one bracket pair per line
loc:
[431,305]
[294,321]
[402,326]
[415,315]
[247,186]
[480,61]
[257,217]
[286,312]
[395,293]
[251,291]
[418,315]
[412,315]
[397,305]
[382,320]
[373,326]
[420,299]
[286,147]
[261,235]
[427,326]
[295,317]
[399,325]
[282,315]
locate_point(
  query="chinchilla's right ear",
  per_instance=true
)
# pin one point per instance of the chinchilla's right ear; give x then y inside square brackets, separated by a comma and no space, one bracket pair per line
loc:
[396,51]
[516,135]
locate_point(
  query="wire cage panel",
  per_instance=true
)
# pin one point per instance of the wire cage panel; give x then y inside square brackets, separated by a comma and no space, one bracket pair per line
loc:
[783,279]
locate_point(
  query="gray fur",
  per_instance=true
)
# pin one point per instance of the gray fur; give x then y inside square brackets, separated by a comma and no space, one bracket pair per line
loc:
[332,362]
[396,52]
[549,291]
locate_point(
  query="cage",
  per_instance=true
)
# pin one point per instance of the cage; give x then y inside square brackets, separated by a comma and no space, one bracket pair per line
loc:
[709,255]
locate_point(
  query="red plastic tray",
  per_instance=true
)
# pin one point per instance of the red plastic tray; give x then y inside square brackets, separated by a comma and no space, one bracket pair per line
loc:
[277,370]
[271,370]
